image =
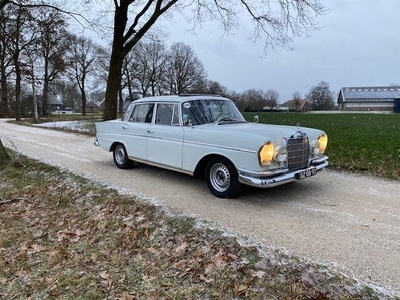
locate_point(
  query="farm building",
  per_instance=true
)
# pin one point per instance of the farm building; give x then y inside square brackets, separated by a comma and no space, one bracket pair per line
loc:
[300,105]
[376,98]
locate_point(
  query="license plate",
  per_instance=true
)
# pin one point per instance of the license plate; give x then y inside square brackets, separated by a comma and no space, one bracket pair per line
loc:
[306,173]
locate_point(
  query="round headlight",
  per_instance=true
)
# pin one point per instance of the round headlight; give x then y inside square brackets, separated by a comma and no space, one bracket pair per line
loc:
[281,154]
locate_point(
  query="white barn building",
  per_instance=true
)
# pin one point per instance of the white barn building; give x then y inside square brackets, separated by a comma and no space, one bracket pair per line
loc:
[374,98]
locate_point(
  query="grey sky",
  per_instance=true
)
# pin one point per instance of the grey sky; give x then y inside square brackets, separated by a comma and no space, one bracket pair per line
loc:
[359,45]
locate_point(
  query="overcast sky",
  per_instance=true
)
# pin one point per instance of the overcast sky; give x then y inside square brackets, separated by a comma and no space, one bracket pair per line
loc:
[359,45]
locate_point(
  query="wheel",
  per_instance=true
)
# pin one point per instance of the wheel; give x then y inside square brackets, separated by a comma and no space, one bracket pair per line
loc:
[222,178]
[121,158]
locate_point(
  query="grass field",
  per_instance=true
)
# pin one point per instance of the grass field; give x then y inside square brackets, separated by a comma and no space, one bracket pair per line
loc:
[367,142]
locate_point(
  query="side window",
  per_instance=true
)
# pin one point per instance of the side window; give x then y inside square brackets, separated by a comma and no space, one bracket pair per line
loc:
[128,113]
[164,114]
[142,113]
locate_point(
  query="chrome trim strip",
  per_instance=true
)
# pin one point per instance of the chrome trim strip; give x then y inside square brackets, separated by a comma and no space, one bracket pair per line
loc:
[164,139]
[146,162]
[319,160]
[269,182]
[265,173]
[222,147]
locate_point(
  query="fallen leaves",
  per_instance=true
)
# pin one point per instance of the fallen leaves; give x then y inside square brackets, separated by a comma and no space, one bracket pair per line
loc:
[104,245]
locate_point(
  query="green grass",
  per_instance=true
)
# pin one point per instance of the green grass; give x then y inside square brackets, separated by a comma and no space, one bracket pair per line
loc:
[367,142]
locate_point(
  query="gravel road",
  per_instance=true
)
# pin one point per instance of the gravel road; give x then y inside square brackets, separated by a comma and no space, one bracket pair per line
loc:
[349,221]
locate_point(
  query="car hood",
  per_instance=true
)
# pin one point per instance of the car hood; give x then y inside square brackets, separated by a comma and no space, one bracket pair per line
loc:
[245,135]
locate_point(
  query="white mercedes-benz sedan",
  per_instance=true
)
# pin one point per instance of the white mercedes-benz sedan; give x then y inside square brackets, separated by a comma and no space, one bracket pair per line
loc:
[207,135]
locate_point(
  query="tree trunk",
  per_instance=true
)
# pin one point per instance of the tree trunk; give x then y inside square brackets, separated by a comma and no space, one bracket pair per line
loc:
[120,103]
[4,157]
[113,85]
[116,61]
[45,105]
[34,99]
[4,109]
[17,91]
[83,97]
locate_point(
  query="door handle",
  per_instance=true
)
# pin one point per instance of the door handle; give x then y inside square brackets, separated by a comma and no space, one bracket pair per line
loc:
[125,127]
[149,131]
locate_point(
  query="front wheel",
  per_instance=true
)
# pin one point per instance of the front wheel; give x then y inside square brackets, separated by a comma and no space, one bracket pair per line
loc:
[222,178]
[121,158]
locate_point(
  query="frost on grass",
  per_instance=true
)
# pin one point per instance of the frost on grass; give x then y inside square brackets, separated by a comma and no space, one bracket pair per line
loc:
[78,126]
[69,237]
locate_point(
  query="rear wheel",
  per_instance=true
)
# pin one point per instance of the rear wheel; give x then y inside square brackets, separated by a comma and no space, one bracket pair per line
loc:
[121,158]
[222,178]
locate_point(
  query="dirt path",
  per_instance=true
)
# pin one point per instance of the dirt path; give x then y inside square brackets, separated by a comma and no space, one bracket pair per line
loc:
[350,221]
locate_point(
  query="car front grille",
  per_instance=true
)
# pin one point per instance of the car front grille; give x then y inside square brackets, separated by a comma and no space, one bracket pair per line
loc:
[298,152]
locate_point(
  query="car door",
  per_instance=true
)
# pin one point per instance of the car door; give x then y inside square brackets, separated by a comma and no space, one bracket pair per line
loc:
[165,137]
[136,130]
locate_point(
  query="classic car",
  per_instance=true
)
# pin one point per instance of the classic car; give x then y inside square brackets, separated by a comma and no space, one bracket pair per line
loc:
[207,135]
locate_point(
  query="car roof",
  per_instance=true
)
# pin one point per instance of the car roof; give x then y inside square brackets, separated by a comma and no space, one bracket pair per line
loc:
[179,98]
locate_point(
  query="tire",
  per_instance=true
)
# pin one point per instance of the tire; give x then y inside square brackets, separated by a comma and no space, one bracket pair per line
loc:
[222,178]
[121,158]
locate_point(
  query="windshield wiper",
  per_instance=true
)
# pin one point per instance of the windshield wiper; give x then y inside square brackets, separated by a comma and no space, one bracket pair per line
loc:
[227,119]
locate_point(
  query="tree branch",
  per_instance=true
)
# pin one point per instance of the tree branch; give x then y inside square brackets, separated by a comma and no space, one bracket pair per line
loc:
[158,11]
[75,16]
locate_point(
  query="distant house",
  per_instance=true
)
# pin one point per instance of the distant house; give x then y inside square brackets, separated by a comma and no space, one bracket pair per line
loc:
[92,107]
[54,106]
[373,98]
[299,105]
[275,108]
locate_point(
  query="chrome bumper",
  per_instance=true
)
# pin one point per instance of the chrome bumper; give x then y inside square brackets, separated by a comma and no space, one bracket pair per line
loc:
[272,181]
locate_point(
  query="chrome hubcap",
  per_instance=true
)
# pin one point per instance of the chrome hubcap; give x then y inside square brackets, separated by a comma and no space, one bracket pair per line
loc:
[220,177]
[120,155]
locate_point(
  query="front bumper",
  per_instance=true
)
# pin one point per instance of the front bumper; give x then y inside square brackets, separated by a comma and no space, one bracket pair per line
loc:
[96,142]
[262,181]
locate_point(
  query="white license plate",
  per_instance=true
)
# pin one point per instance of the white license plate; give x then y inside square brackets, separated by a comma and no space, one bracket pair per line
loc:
[306,173]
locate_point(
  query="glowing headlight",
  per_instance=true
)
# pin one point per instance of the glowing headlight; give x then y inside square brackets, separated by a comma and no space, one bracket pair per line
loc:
[266,154]
[319,146]
[323,142]
[280,154]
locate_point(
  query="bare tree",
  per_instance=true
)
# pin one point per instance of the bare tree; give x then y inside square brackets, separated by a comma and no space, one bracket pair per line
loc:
[184,69]
[255,100]
[238,99]
[297,100]
[4,3]
[147,68]
[54,41]
[278,21]
[157,56]
[210,87]
[30,73]
[321,97]
[22,33]
[67,90]
[129,73]
[82,58]
[275,22]
[5,63]
[272,97]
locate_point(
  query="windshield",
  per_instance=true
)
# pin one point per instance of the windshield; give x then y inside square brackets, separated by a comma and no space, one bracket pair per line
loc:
[199,112]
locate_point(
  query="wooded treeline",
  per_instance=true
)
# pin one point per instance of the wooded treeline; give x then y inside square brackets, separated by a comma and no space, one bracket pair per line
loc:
[40,55]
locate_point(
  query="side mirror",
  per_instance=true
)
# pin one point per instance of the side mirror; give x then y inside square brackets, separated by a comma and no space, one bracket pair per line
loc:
[256,118]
